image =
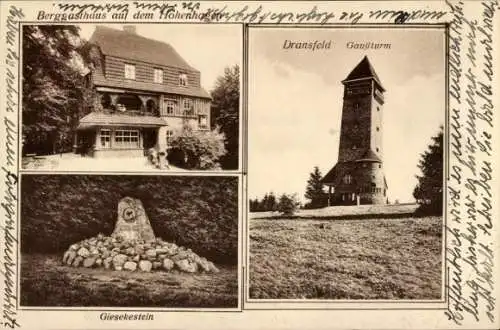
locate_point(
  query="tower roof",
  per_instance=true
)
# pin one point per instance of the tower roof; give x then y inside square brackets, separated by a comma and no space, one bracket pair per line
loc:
[369,156]
[364,69]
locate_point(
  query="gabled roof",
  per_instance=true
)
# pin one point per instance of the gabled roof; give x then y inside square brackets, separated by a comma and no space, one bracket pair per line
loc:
[132,46]
[331,176]
[116,119]
[364,69]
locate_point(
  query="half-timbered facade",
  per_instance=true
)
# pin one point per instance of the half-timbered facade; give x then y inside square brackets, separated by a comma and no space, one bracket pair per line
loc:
[142,85]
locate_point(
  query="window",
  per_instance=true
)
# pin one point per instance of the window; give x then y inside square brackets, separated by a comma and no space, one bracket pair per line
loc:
[356,105]
[376,149]
[127,139]
[378,108]
[158,76]
[105,138]
[347,179]
[377,129]
[129,71]
[354,147]
[183,79]
[170,135]
[171,106]
[187,107]
[203,121]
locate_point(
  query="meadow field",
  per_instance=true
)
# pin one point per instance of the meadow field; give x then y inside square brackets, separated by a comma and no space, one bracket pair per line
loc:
[396,258]
[46,282]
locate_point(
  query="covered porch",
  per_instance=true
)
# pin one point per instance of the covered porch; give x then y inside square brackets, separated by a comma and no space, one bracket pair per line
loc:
[117,135]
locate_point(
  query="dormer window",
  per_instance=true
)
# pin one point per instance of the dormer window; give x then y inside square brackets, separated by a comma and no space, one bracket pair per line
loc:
[158,76]
[129,71]
[183,79]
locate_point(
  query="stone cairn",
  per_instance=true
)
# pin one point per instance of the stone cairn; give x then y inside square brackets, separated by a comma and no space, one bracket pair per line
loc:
[133,247]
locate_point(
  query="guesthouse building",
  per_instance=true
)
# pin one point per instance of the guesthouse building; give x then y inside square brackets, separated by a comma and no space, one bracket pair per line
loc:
[145,91]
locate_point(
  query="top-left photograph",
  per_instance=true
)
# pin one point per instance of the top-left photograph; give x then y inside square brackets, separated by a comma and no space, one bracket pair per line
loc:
[131,98]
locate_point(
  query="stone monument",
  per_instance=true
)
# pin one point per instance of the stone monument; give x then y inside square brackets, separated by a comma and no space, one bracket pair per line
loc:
[133,222]
[133,247]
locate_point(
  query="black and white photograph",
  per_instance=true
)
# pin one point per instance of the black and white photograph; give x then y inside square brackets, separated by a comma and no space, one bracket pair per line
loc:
[154,97]
[90,241]
[345,182]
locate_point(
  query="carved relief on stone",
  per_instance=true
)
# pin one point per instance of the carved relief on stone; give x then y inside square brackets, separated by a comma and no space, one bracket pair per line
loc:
[133,223]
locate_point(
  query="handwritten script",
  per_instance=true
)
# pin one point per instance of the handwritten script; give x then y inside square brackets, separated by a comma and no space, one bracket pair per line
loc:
[470,259]
[246,13]
[8,171]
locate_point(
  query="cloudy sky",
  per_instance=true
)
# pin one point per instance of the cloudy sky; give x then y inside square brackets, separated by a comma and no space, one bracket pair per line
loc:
[295,103]
[208,48]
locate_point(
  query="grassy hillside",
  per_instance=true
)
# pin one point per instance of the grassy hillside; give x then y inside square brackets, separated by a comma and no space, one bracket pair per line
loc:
[76,287]
[346,259]
[349,211]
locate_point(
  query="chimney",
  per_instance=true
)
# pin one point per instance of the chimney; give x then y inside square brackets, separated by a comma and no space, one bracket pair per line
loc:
[129,29]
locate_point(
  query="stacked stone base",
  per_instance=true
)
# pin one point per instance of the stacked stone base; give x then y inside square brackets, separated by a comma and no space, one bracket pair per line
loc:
[114,253]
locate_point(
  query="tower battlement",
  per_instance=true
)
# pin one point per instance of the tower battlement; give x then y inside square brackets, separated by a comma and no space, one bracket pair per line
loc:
[358,176]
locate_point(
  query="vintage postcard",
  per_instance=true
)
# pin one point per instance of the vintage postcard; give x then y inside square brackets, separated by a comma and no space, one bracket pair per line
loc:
[249,165]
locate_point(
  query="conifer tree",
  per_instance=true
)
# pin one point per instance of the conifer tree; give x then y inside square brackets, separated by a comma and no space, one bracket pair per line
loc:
[429,190]
[314,190]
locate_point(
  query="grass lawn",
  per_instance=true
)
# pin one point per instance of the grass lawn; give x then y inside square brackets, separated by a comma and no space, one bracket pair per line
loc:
[346,259]
[45,281]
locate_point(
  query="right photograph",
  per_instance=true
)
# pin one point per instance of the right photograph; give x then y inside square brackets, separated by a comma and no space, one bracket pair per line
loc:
[346,163]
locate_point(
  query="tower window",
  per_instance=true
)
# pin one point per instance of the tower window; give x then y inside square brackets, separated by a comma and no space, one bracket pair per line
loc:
[377,129]
[356,105]
[347,179]
[378,108]
[354,147]
[376,149]
[379,165]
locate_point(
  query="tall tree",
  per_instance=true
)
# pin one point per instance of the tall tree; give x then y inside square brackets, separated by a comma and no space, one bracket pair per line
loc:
[54,88]
[225,113]
[429,189]
[314,190]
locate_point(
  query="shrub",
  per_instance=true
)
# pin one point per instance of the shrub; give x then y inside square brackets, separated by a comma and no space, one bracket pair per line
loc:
[198,149]
[288,204]
[200,213]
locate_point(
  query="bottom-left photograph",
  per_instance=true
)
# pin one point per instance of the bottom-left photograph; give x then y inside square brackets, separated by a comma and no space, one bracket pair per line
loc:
[129,241]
